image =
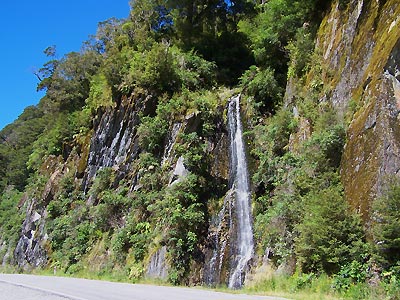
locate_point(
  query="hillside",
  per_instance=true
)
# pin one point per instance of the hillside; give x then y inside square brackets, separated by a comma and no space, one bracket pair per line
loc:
[215,143]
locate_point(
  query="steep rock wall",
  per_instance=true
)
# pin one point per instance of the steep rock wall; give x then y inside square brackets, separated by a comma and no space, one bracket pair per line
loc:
[31,249]
[360,44]
[114,143]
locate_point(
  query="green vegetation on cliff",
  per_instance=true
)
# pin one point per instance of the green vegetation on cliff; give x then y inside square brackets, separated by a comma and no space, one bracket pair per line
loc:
[124,156]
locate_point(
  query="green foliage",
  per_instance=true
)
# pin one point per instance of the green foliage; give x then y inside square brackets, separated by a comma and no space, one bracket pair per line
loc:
[150,20]
[210,27]
[11,216]
[194,71]
[271,143]
[350,274]
[386,226]
[183,214]
[325,148]
[100,94]
[54,140]
[262,85]
[152,132]
[134,237]
[153,69]
[392,284]
[71,236]
[108,35]
[193,151]
[300,53]
[177,52]
[63,200]
[16,146]
[274,27]
[163,68]
[329,235]
[274,227]
[102,182]
[299,198]
[67,84]
[48,143]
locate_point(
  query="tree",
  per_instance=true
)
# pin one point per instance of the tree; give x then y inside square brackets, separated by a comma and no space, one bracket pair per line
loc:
[275,26]
[16,146]
[210,27]
[107,34]
[48,68]
[11,217]
[67,81]
[150,19]
[386,226]
[330,235]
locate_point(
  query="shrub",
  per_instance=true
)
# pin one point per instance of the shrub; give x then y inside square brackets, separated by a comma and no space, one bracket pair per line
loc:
[262,85]
[350,274]
[193,71]
[330,236]
[300,52]
[11,217]
[152,69]
[386,226]
[100,94]
[152,131]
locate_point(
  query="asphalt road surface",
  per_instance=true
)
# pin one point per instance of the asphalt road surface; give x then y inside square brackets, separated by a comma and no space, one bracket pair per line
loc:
[29,287]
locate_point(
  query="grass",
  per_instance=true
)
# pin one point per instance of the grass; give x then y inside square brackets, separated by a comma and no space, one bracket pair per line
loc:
[306,286]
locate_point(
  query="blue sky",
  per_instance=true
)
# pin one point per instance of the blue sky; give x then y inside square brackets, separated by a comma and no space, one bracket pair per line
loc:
[27,27]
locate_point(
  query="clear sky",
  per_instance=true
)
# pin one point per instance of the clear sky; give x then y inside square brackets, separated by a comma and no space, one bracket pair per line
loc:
[27,27]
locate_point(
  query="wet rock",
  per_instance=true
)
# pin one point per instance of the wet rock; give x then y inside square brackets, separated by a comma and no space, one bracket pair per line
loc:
[30,251]
[157,266]
[114,142]
[171,140]
[221,238]
[179,172]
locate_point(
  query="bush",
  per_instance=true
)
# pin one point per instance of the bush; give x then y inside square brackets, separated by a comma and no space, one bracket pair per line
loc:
[152,132]
[168,69]
[262,85]
[350,274]
[151,69]
[100,94]
[271,146]
[11,217]
[330,236]
[181,216]
[325,148]
[193,71]
[300,53]
[386,226]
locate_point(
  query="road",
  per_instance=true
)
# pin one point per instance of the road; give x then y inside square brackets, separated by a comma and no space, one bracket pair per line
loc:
[30,287]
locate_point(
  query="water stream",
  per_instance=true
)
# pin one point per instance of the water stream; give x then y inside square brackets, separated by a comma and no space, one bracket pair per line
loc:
[244,248]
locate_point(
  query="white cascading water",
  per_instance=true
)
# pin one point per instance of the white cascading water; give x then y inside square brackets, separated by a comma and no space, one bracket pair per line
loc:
[240,182]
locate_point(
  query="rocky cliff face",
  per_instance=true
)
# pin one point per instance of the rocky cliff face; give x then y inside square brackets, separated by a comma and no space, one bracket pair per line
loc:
[114,144]
[361,47]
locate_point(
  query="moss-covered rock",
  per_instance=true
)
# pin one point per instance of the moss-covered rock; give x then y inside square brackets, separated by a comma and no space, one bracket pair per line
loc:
[361,45]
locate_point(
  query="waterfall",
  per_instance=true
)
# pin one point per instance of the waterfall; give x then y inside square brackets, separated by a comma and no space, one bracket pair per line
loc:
[244,248]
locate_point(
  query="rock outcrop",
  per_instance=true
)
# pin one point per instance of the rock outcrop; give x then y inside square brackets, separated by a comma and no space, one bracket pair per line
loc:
[361,46]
